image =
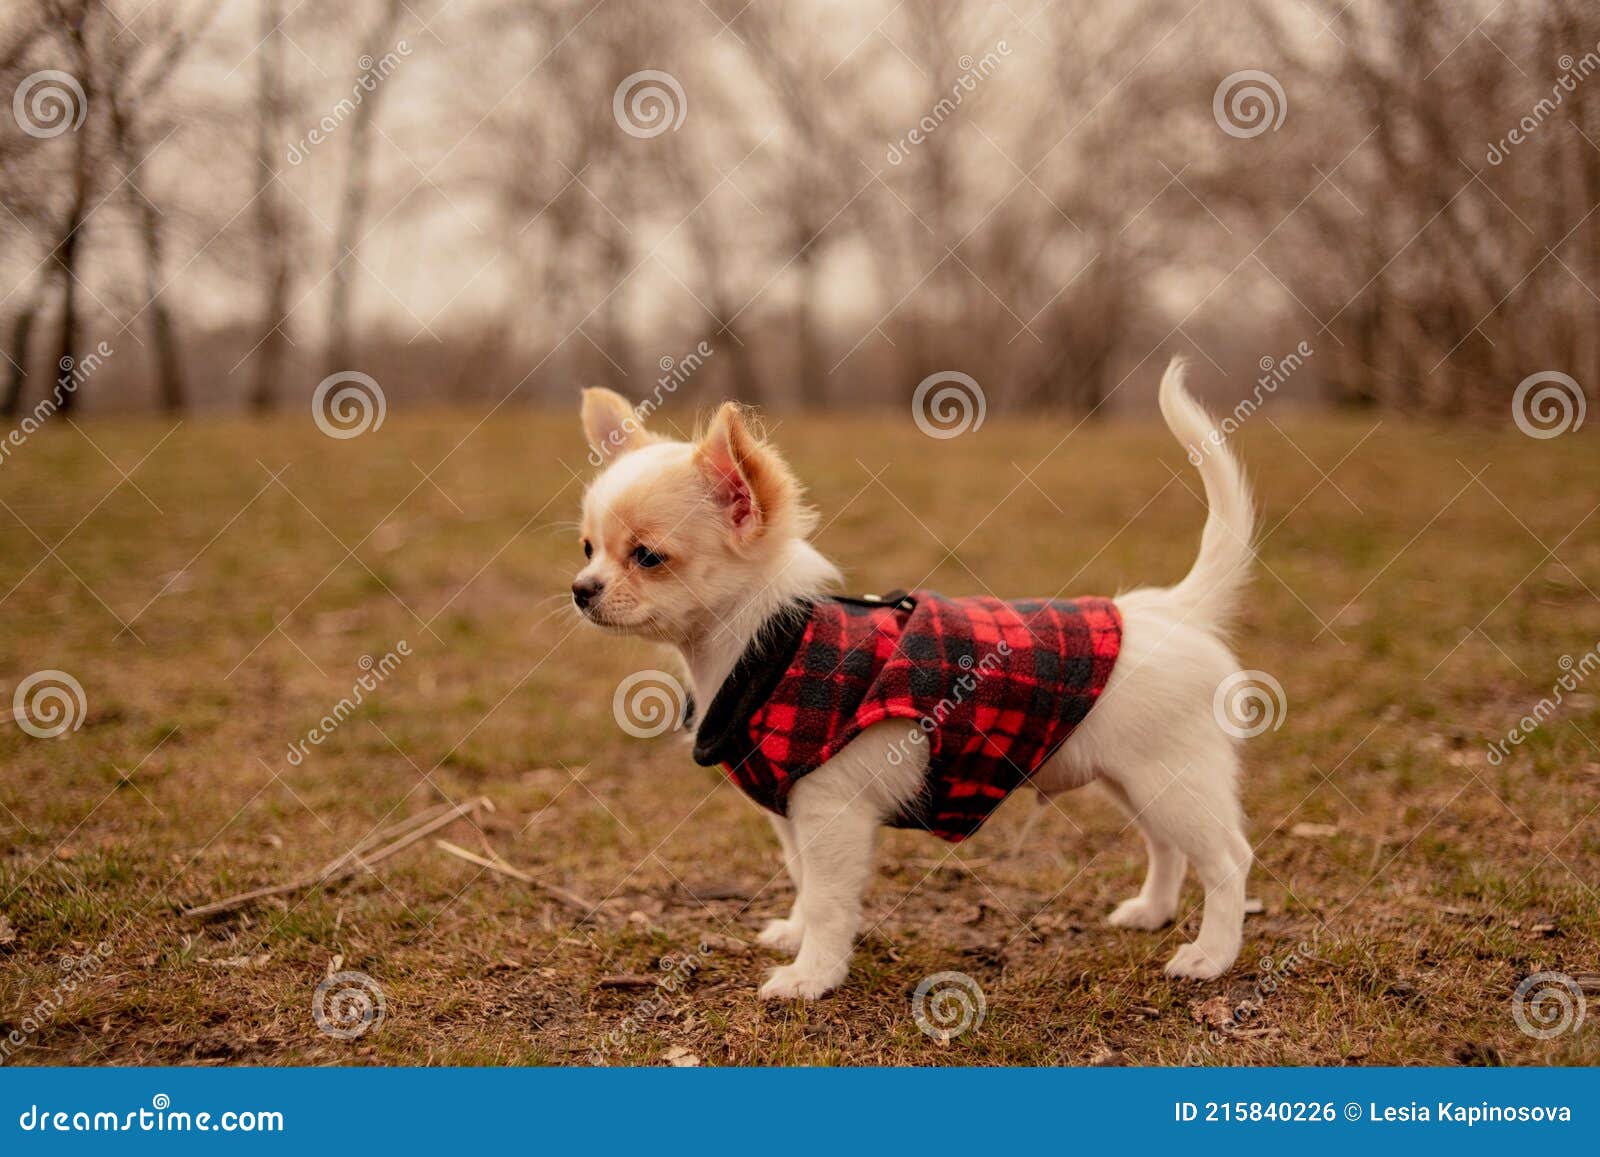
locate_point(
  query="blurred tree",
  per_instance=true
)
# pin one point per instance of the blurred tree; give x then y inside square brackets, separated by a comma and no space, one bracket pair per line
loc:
[274,243]
[356,187]
[79,22]
[22,195]
[136,71]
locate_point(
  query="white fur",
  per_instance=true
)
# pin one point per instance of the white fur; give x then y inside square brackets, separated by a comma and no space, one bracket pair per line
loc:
[1152,740]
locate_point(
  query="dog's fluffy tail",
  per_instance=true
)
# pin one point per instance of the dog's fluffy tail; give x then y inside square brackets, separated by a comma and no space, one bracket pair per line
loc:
[1212,586]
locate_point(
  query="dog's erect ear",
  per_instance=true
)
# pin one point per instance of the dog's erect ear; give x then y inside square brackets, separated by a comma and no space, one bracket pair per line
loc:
[748,481]
[610,424]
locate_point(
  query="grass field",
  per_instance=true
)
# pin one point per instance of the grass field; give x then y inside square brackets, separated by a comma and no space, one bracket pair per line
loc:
[1420,588]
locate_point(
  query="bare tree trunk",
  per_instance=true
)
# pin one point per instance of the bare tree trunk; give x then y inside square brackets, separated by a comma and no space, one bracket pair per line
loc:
[68,247]
[1359,387]
[618,350]
[812,388]
[1584,115]
[132,73]
[270,228]
[17,379]
[354,200]
[746,381]
[66,255]
[163,332]
[747,384]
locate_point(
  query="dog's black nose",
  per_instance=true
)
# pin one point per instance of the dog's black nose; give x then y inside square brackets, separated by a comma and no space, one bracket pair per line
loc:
[584,593]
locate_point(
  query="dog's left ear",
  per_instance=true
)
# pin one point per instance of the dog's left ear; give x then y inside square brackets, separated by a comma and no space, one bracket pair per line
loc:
[749,482]
[610,424]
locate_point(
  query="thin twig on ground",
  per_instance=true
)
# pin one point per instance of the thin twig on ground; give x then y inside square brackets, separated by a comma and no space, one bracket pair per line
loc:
[383,843]
[495,864]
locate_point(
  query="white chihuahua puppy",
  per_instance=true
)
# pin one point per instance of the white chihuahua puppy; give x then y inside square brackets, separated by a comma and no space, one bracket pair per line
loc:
[704,546]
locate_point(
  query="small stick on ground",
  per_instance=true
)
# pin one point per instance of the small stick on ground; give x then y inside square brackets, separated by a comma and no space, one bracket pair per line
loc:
[626,980]
[358,859]
[495,864]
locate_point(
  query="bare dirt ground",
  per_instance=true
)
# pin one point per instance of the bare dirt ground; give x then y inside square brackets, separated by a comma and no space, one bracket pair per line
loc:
[213,590]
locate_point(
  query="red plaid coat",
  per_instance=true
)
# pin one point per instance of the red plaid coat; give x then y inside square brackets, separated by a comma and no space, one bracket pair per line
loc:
[991,687]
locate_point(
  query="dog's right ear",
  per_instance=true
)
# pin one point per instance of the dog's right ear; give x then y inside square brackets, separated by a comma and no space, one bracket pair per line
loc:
[610,425]
[749,482]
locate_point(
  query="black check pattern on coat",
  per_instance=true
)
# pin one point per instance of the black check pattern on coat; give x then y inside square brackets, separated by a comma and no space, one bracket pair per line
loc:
[991,687]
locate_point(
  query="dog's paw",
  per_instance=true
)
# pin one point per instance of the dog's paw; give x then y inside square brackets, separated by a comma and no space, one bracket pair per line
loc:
[1139,913]
[1191,962]
[782,936]
[791,982]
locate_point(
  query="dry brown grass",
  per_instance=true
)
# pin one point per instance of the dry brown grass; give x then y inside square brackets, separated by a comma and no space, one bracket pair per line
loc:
[1449,603]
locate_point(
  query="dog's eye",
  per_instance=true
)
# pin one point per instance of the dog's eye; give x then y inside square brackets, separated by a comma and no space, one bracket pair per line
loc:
[646,557]
[588,549]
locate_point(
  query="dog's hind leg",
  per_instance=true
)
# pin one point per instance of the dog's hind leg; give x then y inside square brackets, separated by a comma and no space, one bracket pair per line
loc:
[1194,809]
[785,934]
[1157,902]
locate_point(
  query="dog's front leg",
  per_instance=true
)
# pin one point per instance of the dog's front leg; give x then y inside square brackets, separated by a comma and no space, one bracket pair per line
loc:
[833,825]
[785,935]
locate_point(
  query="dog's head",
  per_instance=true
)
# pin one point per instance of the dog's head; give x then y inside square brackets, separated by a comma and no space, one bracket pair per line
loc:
[675,533]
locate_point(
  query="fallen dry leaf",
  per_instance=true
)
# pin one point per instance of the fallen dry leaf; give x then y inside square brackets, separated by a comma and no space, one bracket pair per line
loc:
[681,1058]
[1215,1013]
